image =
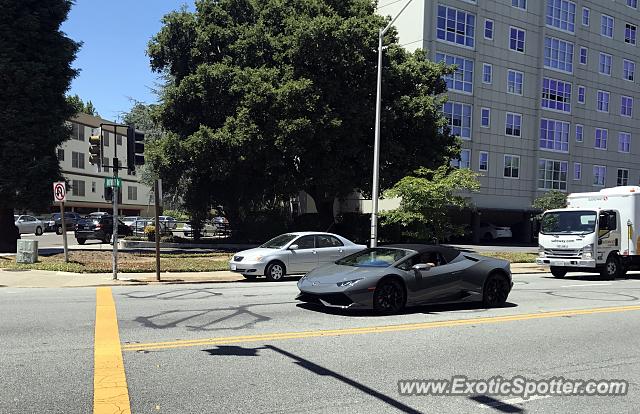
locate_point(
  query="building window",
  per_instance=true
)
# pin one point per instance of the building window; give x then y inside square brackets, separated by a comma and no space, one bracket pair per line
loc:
[462,79]
[628,70]
[601,138]
[577,171]
[603,101]
[511,166]
[630,34]
[485,117]
[456,26]
[556,95]
[118,139]
[483,161]
[132,192]
[77,160]
[583,55]
[579,133]
[623,176]
[487,72]
[558,54]
[624,142]
[520,4]
[105,138]
[561,14]
[513,124]
[464,161]
[77,131]
[599,175]
[515,80]
[77,188]
[606,26]
[552,175]
[554,135]
[93,186]
[581,94]
[586,16]
[488,29]
[516,39]
[458,116]
[632,3]
[626,106]
[605,64]
[105,164]
[60,153]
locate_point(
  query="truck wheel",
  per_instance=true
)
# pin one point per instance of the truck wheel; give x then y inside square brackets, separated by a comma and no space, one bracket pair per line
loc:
[611,269]
[558,272]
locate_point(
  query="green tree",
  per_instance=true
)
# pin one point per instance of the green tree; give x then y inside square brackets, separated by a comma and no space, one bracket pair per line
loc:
[264,98]
[35,74]
[80,106]
[550,200]
[427,199]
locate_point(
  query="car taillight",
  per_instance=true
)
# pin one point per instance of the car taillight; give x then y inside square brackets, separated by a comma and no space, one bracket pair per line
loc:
[98,226]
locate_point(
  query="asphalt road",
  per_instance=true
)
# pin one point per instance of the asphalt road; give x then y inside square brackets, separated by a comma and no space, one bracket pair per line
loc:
[251,348]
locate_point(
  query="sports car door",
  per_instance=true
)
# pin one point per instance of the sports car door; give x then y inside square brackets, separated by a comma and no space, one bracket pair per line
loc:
[441,283]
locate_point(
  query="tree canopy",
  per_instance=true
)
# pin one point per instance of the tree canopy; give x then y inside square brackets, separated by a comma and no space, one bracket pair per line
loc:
[427,199]
[550,200]
[80,106]
[35,74]
[265,98]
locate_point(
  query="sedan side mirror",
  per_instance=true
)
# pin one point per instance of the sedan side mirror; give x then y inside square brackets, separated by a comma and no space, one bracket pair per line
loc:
[422,266]
[293,247]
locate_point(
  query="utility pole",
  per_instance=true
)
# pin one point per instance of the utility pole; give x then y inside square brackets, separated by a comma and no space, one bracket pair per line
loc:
[156,192]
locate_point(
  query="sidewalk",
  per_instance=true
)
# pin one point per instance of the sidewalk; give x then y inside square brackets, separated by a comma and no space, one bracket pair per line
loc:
[48,279]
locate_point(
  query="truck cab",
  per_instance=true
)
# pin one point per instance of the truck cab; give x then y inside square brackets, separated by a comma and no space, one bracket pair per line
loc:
[595,233]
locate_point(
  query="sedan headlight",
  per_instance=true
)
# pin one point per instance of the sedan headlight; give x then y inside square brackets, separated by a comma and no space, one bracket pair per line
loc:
[587,252]
[348,283]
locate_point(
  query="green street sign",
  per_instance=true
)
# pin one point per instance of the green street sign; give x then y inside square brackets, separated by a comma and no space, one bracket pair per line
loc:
[113,182]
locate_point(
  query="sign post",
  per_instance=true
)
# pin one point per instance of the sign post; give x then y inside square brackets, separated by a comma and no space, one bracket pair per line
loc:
[60,195]
[156,192]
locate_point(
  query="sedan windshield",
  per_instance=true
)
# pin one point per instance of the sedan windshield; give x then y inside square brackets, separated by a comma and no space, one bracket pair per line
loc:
[279,242]
[569,222]
[376,257]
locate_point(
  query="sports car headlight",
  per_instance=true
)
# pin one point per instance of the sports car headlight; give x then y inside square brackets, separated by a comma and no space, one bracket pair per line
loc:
[348,283]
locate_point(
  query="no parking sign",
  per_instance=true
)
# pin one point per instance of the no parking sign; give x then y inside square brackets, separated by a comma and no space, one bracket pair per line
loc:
[60,192]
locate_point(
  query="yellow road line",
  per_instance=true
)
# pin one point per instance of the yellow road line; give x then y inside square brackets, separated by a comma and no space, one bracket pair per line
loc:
[110,392]
[371,329]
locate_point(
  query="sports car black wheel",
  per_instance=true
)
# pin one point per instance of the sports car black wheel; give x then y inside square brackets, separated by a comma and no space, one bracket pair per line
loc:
[558,272]
[275,271]
[389,296]
[495,292]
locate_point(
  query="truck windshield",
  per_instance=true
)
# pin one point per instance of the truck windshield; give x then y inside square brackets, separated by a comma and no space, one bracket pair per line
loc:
[568,222]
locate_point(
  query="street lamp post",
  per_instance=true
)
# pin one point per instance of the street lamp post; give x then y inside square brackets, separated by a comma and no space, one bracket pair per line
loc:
[376,145]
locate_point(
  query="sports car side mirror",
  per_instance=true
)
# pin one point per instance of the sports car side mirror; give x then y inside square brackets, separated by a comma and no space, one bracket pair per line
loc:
[422,266]
[293,247]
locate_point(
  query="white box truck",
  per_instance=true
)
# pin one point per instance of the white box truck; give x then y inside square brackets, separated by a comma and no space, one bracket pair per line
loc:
[596,232]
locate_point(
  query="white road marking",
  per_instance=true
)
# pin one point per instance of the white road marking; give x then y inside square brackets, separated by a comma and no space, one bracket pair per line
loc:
[590,284]
[512,401]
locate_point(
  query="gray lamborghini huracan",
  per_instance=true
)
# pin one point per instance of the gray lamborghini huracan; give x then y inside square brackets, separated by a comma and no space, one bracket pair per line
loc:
[388,278]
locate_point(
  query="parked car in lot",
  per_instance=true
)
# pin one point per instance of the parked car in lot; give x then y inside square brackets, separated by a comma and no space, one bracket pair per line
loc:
[99,228]
[292,253]
[130,220]
[55,222]
[388,278]
[28,224]
[491,232]
[208,229]
[168,222]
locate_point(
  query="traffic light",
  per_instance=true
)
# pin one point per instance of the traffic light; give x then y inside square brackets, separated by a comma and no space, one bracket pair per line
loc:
[135,148]
[95,150]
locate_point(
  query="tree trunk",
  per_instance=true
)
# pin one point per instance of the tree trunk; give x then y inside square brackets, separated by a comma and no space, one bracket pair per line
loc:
[324,206]
[9,233]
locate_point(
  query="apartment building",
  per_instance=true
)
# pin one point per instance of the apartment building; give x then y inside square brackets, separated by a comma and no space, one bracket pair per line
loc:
[543,96]
[87,193]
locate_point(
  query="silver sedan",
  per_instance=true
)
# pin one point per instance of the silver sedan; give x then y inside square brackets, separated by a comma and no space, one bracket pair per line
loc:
[292,253]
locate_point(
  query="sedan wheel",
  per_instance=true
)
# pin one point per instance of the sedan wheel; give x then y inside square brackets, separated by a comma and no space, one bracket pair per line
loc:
[389,297]
[496,290]
[275,272]
[59,230]
[38,231]
[81,241]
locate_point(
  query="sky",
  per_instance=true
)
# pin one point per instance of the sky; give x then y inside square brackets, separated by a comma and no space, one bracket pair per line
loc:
[114,67]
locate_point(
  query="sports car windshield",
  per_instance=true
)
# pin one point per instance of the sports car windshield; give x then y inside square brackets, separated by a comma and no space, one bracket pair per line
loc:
[279,242]
[376,257]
